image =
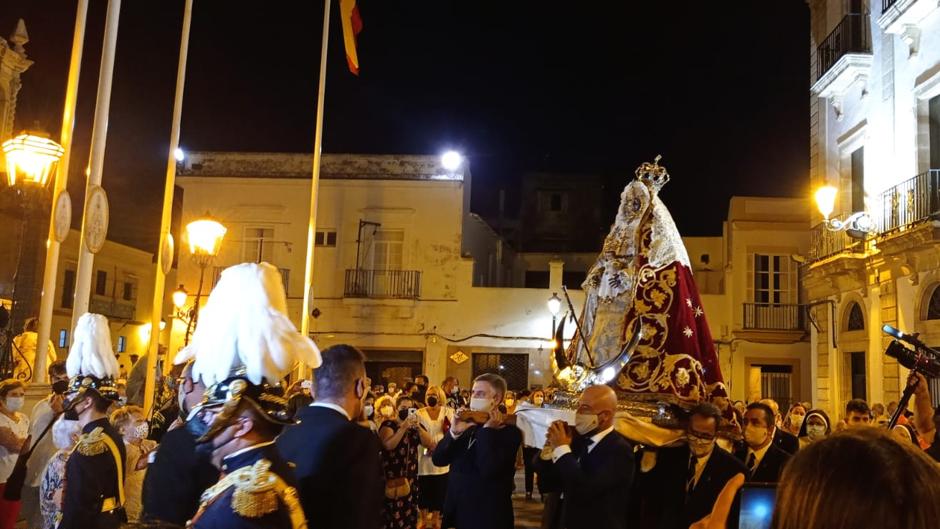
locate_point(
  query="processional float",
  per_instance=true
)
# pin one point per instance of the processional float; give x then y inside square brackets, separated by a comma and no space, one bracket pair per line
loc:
[642,329]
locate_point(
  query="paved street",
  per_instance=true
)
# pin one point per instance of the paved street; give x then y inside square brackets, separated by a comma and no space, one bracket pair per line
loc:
[528,513]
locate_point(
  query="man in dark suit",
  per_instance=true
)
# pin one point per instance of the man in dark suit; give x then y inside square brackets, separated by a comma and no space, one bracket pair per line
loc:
[338,463]
[178,474]
[482,462]
[685,482]
[762,458]
[785,441]
[597,468]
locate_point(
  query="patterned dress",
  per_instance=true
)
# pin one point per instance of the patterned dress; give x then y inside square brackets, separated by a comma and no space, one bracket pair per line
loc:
[401,513]
[50,490]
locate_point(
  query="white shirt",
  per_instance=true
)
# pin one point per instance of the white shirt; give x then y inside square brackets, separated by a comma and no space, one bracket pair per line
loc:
[565,449]
[20,428]
[435,429]
[758,455]
[332,406]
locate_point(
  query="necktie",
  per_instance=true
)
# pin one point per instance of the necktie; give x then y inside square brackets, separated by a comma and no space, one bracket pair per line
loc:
[690,481]
[751,461]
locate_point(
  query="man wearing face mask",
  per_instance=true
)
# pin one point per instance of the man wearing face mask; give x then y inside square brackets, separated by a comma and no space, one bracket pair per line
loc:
[43,413]
[763,459]
[178,474]
[336,460]
[596,468]
[482,461]
[94,497]
[685,482]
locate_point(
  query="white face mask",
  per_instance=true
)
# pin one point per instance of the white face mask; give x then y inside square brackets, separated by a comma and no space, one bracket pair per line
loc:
[538,401]
[796,420]
[755,436]
[15,403]
[815,431]
[585,423]
[368,409]
[510,402]
[387,411]
[481,404]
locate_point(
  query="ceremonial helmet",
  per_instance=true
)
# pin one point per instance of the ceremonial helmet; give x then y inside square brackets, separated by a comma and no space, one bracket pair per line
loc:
[92,364]
[244,344]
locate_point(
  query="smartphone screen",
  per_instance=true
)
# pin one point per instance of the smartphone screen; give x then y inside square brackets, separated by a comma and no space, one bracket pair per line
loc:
[757,505]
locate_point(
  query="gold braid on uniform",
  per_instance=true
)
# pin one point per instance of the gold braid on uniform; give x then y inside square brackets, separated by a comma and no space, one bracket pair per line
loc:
[92,443]
[257,491]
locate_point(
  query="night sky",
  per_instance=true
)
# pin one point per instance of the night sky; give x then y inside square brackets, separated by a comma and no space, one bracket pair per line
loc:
[721,90]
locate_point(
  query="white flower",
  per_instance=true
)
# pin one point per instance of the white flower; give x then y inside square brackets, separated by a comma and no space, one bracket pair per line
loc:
[687,331]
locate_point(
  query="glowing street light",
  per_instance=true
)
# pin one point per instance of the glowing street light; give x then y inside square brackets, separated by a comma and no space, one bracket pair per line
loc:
[205,238]
[451,160]
[826,200]
[180,295]
[31,159]
[179,154]
[554,304]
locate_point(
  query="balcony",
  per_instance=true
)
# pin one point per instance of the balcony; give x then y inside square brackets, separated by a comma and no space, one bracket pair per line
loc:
[382,284]
[843,57]
[825,243]
[910,202]
[773,317]
[903,18]
[112,309]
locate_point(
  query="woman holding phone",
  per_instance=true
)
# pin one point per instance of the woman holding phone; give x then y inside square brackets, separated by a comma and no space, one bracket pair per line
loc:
[401,435]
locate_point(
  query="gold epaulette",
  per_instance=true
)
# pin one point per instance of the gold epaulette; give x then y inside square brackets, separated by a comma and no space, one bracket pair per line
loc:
[256,493]
[92,443]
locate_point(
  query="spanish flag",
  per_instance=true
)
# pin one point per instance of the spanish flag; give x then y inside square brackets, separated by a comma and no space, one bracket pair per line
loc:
[352,25]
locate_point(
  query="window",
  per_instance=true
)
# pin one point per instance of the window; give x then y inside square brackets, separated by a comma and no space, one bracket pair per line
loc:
[128,291]
[933,115]
[258,245]
[858,179]
[101,283]
[933,306]
[857,363]
[122,344]
[68,289]
[325,238]
[388,249]
[553,201]
[856,318]
[775,280]
[513,367]
[63,338]
[776,382]
[285,278]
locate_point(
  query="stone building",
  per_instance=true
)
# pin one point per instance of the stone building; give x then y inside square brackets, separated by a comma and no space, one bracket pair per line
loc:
[875,136]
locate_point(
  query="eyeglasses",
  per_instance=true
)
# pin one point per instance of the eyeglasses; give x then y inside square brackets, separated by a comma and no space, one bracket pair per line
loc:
[700,435]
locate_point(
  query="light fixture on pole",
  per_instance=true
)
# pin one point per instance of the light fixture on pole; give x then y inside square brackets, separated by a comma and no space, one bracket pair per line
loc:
[30,159]
[858,225]
[179,297]
[205,240]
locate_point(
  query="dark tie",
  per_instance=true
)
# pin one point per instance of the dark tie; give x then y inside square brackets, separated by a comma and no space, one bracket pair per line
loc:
[751,460]
[583,448]
[690,481]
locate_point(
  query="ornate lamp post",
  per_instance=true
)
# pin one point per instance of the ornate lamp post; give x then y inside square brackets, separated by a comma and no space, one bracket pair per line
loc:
[858,225]
[554,307]
[205,240]
[31,158]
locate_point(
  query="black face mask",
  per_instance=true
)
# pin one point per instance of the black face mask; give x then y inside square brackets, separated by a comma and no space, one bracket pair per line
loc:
[59,386]
[197,428]
[402,414]
[70,413]
[432,401]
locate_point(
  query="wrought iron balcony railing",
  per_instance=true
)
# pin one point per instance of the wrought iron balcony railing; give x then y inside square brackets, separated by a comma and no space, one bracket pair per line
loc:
[852,35]
[382,284]
[826,243]
[774,317]
[112,309]
[910,201]
[887,4]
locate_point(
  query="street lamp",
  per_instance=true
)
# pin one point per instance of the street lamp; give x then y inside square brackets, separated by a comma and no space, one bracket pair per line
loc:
[205,240]
[858,225]
[451,160]
[30,159]
[179,297]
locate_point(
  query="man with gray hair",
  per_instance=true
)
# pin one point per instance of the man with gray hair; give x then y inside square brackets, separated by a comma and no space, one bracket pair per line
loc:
[337,462]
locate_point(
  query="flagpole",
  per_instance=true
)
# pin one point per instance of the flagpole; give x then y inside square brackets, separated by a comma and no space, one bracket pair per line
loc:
[315,184]
[165,258]
[47,301]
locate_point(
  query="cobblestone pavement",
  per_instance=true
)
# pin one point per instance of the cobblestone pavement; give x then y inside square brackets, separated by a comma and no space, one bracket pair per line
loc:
[528,514]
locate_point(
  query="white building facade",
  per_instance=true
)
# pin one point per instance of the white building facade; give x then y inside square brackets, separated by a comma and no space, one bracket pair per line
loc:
[875,136]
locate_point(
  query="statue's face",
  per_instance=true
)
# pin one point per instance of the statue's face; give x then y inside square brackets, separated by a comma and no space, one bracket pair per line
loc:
[634,201]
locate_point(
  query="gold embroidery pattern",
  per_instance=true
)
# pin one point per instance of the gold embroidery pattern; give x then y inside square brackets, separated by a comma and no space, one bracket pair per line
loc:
[92,443]
[257,491]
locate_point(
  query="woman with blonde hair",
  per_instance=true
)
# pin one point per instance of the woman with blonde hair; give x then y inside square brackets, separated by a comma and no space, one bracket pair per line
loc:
[131,423]
[14,430]
[436,419]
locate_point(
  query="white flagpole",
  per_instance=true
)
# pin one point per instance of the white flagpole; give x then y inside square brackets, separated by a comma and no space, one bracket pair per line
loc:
[315,184]
[47,301]
[160,277]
